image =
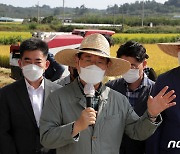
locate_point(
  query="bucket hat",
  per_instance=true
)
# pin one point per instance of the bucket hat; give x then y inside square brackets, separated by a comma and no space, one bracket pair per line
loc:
[95,44]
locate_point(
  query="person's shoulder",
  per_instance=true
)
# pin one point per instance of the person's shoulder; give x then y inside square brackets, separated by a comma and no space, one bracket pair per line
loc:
[12,86]
[63,81]
[118,98]
[115,93]
[63,92]
[170,73]
[115,82]
[52,84]
[66,87]
[150,82]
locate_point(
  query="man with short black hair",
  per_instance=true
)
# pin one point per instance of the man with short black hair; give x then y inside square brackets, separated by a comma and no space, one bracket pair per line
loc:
[22,102]
[136,86]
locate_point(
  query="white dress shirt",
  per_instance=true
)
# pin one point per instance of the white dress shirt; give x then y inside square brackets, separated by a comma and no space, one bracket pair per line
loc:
[36,96]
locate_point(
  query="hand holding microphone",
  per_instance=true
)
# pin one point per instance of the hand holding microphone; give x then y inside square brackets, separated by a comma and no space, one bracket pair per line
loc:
[89,91]
[88,115]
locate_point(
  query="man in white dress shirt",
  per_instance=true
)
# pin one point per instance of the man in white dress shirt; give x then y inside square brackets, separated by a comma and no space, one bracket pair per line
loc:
[22,102]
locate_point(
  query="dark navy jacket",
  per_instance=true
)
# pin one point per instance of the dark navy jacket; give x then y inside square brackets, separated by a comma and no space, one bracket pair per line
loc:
[54,70]
[169,130]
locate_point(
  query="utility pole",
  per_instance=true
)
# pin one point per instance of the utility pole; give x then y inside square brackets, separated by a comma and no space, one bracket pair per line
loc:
[113,17]
[142,20]
[63,14]
[38,12]
[122,18]
[112,13]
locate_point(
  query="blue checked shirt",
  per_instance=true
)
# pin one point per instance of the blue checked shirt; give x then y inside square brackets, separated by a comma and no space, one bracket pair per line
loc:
[133,95]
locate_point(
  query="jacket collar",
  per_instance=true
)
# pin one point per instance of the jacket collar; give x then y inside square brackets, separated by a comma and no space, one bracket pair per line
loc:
[82,101]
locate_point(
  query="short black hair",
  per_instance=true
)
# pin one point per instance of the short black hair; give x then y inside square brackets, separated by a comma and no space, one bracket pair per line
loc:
[132,49]
[33,44]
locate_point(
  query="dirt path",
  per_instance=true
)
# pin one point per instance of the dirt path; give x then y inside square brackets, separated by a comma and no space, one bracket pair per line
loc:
[4,77]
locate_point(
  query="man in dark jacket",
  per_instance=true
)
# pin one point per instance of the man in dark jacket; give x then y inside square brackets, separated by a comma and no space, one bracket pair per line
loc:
[22,102]
[166,139]
[136,86]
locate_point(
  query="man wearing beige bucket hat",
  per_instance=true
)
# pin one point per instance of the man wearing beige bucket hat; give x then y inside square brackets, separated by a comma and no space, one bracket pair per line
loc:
[166,140]
[74,125]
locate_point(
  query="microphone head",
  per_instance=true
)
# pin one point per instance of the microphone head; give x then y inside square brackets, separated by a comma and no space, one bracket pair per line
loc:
[89,90]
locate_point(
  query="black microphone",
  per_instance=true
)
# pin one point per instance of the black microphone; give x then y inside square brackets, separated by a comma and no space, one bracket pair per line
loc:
[89,91]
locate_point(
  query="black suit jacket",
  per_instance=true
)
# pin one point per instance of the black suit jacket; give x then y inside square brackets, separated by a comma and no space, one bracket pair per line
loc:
[19,133]
[130,146]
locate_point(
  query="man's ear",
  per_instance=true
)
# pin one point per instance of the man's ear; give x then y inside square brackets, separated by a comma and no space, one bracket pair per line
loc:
[144,64]
[76,61]
[108,65]
[47,64]
[20,63]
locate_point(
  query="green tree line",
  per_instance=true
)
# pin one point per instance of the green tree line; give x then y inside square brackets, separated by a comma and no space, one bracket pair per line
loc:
[149,7]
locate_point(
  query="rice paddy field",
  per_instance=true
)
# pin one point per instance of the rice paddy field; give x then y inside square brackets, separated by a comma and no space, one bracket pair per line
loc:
[6,34]
[139,35]
[158,60]
[4,50]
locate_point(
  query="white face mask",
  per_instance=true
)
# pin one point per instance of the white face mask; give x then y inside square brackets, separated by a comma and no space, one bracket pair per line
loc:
[179,57]
[131,76]
[32,72]
[91,74]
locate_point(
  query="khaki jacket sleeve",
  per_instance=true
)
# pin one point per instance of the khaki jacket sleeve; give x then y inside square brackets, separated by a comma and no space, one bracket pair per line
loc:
[140,128]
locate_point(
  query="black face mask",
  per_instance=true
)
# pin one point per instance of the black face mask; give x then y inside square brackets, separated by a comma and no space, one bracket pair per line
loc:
[75,73]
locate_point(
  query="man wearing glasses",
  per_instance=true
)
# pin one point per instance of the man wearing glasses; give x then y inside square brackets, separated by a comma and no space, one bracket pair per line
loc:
[136,86]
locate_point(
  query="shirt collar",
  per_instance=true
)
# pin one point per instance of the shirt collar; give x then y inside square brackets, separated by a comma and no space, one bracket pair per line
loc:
[144,81]
[31,87]
[97,92]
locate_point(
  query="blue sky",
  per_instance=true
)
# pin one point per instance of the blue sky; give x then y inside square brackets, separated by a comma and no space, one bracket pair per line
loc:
[99,4]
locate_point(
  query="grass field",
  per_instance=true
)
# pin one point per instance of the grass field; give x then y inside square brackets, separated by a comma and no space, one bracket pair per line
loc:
[4,50]
[139,35]
[6,34]
[160,61]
